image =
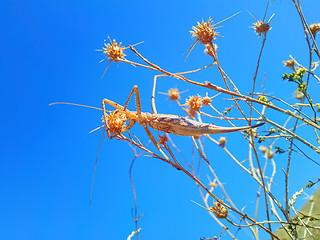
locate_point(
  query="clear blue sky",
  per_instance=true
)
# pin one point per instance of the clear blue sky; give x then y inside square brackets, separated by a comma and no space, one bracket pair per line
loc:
[47,156]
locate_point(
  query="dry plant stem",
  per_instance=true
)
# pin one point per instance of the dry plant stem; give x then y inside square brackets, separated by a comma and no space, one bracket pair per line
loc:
[261,178]
[282,101]
[302,222]
[252,174]
[288,131]
[302,101]
[309,214]
[259,192]
[271,202]
[251,133]
[139,145]
[178,150]
[205,200]
[219,89]
[136,217]
[291,106]
[224,79]
[153,104]
[249,172]
[225,117]
[280,222]
[305,25]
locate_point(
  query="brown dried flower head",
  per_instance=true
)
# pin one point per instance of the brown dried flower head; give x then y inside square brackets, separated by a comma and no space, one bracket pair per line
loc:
[289,63]
[204,31]
[206,100]
[220,210]
[194,103]
[222,141]
[174,94]
[261,27]
[114,50]
[314,28]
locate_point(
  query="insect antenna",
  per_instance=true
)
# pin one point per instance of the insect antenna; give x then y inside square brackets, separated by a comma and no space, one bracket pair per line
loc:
[75,104]
[96,129]
[95,166]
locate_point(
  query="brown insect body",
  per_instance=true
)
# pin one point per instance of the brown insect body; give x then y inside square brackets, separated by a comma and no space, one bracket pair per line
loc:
[184,126]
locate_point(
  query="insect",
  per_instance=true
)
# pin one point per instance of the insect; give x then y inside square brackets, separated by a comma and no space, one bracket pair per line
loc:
[162,122]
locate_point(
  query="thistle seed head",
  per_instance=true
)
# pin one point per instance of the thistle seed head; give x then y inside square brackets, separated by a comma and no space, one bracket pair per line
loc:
[114,50]
[194,103]
[174,94]
[204,31]
[314,28]
[261,27]
[289,63]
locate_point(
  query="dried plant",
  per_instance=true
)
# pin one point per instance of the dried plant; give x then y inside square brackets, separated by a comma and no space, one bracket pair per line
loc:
[271,212]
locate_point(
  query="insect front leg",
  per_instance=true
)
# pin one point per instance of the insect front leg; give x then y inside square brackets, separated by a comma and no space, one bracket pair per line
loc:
[144,125]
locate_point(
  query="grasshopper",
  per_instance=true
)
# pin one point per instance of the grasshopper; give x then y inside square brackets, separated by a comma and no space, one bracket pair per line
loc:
[162,122]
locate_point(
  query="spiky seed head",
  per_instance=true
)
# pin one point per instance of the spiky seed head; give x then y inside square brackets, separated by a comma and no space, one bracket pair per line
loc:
[204,31]
[289,63]
[194,103]
[206,100]
[222,141]
[174,94]
[261,27]
[220,210]
[314,28]
[114,51]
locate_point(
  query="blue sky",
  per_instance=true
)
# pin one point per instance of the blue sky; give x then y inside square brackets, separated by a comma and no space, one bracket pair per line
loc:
[48,55]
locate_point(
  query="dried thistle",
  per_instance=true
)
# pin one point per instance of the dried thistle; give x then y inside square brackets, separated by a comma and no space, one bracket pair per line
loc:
[204,31]
[289,63]
[314,28]
[206,100]
[194,103]
[174,94]
[114,52]
[261,27]
[220,210]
